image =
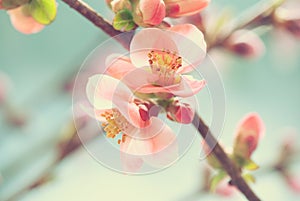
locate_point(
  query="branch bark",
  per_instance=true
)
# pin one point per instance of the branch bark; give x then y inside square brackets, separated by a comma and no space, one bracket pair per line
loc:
[226,162]
[90,14]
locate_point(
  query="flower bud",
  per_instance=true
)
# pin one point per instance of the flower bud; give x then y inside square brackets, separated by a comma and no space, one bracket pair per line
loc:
[118,5]
[149,12]
[180,112]
[288,17]
[23,21]
[250,130]
[178,8]
[10,4]
[246,44]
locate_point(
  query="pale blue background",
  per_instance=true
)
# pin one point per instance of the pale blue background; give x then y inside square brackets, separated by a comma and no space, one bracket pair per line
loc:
[40,64]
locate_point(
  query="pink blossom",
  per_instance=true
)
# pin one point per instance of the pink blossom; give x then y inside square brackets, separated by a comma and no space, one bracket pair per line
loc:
[153,11]
[142,137]
[158,60]
[294,183]
[1,7]
[249,131]
[246,43]
[178,8]
[225,190]
[23,22]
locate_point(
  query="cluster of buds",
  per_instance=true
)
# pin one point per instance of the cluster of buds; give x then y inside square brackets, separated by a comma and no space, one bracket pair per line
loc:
[30,16]
[148,13]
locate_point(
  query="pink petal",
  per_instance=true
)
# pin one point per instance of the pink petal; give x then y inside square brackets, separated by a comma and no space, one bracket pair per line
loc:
[192,46]
[178,8]
[84,108]
[131,163]
[164,148]
[153,11]
[138,78]
[145,41]
[24,23]
[187,87]
[118,66]
[224,189]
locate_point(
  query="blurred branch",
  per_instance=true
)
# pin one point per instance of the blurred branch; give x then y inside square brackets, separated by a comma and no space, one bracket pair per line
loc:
[94,17]
[226,162]
[260,14]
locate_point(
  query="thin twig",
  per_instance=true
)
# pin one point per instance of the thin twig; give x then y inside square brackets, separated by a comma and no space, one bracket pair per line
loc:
[260,14]
[90,14]
[226,162]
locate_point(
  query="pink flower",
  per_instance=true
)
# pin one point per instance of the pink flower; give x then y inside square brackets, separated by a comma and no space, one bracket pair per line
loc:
[294,183]
[178,8]
[153,12]
[246,43]
[1,7]
[158,60]
[224,189]
[142,137]
[23,22]
[249,131]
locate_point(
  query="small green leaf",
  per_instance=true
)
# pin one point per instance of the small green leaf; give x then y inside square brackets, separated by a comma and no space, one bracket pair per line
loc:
[215,180]
[249,178]
[123,21]
[250,165]
[43,11]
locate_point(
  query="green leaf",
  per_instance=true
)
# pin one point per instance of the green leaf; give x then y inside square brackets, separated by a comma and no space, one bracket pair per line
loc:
[250,165]
[215,180]
[43,11]
[123,21]
[249,178]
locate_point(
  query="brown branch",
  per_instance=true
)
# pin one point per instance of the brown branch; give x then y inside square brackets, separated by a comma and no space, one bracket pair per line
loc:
[90,14]
[226,162]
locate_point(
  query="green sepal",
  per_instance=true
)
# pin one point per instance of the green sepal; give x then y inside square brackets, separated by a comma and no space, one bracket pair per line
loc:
[250,165]
[43,11]
[216,179]
[123,21]
[249,178]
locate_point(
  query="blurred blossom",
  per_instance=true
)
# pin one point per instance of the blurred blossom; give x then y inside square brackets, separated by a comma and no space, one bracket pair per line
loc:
[289,17]
[23,21]
[294,183]
[245,43]
[178,8]
[225,189]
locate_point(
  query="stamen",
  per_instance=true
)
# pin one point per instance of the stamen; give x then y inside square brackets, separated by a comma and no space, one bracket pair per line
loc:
[165,64]
[115,124]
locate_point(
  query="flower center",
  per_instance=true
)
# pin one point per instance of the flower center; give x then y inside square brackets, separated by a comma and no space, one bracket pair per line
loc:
[115,124]
[165,64]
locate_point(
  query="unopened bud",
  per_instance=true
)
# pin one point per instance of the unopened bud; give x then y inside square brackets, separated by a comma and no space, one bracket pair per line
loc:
[245,43]
[149,12]
[180,112]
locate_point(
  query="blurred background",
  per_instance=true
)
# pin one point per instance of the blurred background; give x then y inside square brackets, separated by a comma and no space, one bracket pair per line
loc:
[37,133]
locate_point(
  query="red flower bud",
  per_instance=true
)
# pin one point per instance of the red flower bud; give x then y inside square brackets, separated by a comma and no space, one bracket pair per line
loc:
[246,44]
